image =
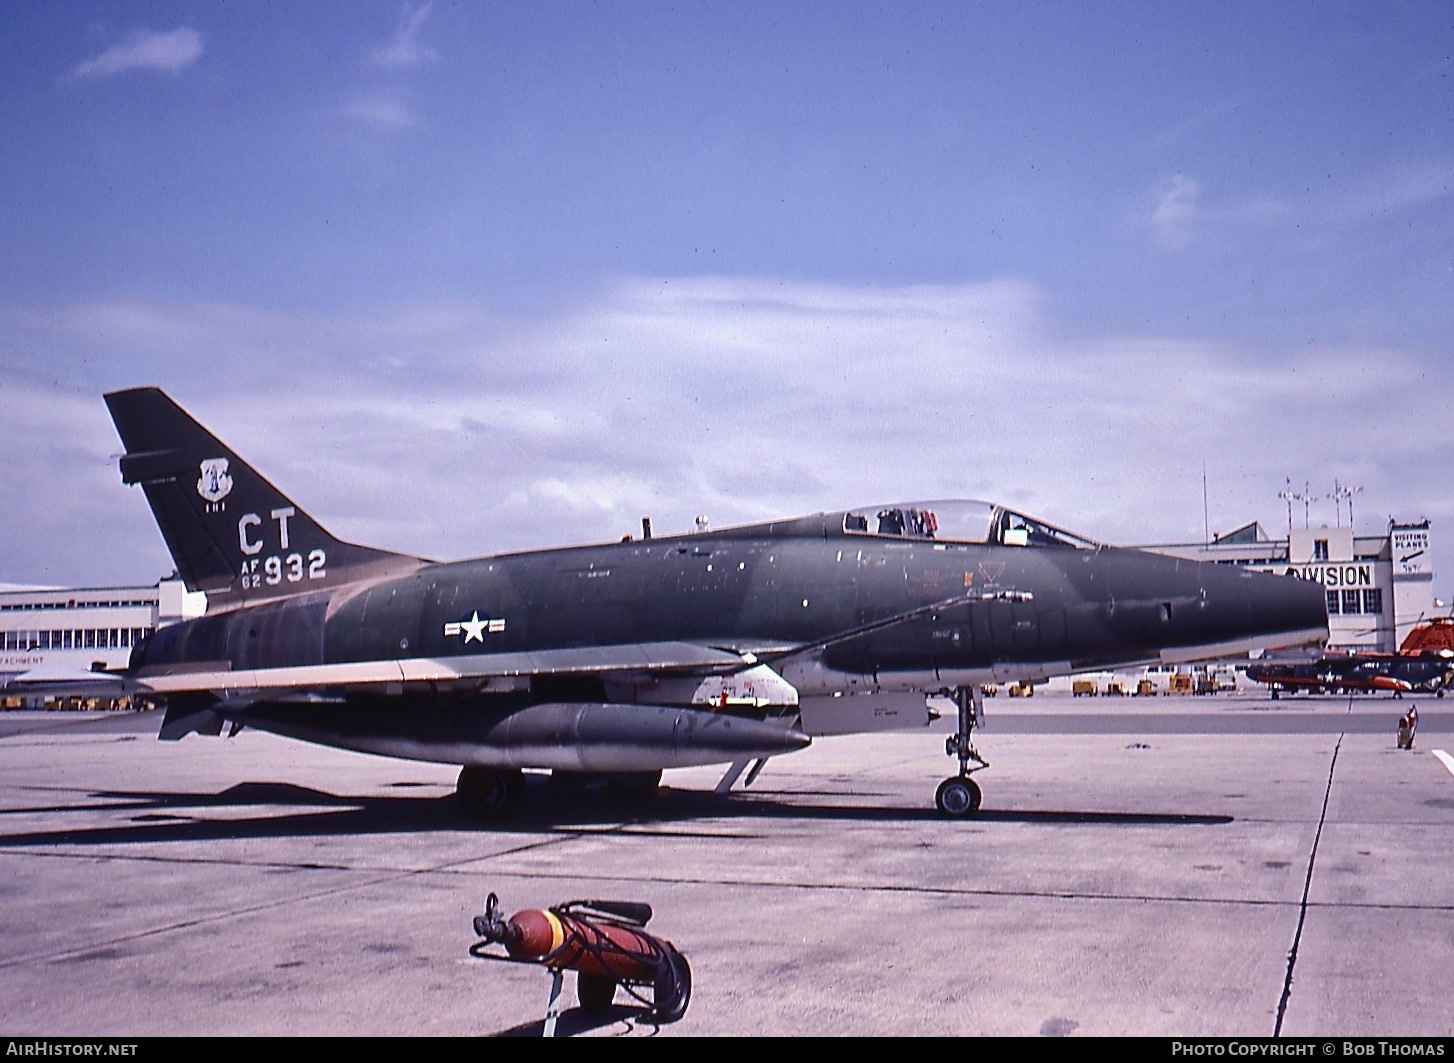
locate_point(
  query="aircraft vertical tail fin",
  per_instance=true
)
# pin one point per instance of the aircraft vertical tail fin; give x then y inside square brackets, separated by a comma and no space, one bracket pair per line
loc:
[231,533]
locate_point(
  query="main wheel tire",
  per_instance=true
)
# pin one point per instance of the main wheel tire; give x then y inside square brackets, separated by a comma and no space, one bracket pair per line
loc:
[489,795]
[634,783]
[595,992]
[959,797]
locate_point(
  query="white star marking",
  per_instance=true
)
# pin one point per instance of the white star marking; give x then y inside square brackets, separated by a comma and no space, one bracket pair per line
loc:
[474,628]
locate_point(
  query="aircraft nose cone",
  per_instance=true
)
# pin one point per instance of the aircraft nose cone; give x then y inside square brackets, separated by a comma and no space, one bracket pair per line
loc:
[1224,610]
[1274,610]
[1288,604]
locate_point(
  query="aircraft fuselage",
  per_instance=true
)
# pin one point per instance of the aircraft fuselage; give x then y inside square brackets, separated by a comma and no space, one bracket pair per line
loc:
[1005,611]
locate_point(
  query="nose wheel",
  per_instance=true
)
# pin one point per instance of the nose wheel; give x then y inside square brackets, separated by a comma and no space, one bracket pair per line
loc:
[959,796]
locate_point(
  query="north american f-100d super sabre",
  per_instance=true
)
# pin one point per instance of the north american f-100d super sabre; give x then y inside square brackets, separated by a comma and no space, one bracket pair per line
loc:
[622,659]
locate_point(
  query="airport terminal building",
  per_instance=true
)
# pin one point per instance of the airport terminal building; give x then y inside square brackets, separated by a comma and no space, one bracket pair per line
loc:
[1378,586]
[59,632]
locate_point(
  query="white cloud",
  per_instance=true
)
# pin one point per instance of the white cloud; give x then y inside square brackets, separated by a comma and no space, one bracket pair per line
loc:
[169,52]
[384,109]
[451,432]
[404,49]
[1191,125]
[1397,190]
[1180,214]
[1177,210]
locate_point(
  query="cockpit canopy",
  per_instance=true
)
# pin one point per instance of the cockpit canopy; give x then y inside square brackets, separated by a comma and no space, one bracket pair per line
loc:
[960,522]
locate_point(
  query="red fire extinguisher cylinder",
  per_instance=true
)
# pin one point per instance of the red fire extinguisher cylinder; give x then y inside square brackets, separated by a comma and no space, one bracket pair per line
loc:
[566,942]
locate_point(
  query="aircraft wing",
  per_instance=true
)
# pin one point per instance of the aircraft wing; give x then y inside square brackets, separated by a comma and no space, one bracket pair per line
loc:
[646,658]
[220,679]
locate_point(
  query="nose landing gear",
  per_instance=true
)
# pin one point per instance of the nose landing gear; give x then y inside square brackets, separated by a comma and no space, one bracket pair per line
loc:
[959,796]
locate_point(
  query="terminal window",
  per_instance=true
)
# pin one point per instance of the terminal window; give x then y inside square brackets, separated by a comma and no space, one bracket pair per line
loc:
[1373,600]
[1351,600]
[1332,603]
[66,639]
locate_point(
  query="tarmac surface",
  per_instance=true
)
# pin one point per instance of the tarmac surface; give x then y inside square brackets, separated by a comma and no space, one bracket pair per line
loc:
[1224,866]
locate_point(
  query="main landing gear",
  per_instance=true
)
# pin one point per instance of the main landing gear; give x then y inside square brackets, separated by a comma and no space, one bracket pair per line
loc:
[493,795]
[959,795]
[489,795]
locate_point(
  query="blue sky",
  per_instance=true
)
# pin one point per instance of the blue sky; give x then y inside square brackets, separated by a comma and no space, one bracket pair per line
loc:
[480,276]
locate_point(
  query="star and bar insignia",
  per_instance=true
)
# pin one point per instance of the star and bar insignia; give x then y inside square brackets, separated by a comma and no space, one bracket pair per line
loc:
[474,629]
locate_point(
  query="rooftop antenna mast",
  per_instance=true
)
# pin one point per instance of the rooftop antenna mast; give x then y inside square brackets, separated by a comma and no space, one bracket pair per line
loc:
[1306,498]
[1206,513]
[1348,493]
[1287,493]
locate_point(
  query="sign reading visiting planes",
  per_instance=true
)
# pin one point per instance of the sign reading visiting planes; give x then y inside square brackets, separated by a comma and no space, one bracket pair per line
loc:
[613,662]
